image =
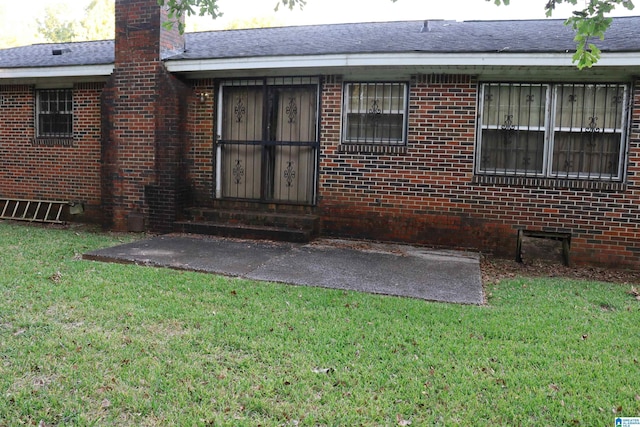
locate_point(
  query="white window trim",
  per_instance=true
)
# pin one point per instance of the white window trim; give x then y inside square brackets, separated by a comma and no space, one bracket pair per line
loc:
[363,142]
[623,138]
[549,130]
[38,111]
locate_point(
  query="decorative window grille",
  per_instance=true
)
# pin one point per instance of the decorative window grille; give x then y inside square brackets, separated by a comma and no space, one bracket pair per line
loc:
[568,131]
[375,113]
[54,109]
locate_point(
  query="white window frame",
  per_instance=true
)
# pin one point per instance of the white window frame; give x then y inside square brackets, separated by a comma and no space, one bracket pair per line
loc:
[383,109]
[550,129]
[42,133]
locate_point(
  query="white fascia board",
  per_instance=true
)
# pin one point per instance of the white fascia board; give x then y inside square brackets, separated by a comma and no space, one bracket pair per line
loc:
[66,71]
[609,59]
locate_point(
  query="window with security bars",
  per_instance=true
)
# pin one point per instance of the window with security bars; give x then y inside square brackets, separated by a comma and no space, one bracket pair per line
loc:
[570,131]
[55,113]
[375,113]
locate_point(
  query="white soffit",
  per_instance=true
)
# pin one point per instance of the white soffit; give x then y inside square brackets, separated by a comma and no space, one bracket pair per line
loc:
[65,71]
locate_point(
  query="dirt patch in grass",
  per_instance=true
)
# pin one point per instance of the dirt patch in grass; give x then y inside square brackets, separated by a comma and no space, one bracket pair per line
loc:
[496,269]
[543,259]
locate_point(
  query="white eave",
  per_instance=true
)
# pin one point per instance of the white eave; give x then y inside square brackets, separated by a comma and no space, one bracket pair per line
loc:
[412,59]
[57,72]
[628,61]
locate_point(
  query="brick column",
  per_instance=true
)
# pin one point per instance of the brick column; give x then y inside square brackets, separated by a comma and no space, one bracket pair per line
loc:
[143,139]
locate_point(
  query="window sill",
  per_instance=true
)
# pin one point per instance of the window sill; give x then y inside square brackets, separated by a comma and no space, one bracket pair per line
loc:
[52,142]
[577,184]
[366,148]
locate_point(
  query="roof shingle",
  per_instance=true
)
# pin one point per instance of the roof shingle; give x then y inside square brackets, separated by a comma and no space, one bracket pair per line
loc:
[532,36]
[541,36]
[41,55]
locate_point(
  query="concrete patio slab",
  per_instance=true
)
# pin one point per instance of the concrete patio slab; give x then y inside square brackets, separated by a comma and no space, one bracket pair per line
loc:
[389,269]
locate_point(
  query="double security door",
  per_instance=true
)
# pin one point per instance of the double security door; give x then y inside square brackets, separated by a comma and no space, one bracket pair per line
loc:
[268,144]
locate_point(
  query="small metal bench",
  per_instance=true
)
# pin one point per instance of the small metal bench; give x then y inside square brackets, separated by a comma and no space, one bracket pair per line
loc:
[565,238]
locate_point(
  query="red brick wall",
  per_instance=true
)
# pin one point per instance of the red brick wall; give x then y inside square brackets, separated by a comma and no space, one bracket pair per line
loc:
[429,194]
[417,196]
[200,158]
[68,173]
[169,192]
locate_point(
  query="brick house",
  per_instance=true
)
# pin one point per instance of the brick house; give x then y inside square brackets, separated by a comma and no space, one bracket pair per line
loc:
[450,134]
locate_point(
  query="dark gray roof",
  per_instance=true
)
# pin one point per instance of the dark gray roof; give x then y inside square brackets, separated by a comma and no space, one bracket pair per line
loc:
[542,36]
[532,36]
[42,55]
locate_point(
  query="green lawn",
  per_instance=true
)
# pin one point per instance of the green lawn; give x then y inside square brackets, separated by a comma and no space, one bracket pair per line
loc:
[87,343]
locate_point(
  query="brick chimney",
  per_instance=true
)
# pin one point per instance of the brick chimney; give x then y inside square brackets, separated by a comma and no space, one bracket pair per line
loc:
[143,135]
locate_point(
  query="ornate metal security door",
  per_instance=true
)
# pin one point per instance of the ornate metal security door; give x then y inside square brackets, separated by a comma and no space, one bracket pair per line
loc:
[267,149]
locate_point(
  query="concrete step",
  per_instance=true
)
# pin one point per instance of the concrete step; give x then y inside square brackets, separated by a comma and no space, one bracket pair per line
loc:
[245,231]
[250,206]
[302,221]
[252,221]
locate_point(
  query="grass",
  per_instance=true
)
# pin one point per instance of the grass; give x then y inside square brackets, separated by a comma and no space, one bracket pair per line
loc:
[87,343]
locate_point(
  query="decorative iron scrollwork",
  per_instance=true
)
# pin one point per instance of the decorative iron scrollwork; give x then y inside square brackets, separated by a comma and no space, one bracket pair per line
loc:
[238,172]
[508,129]
[289,174]
[591,130]
[292,110]
[374,112]
[375,109]
[530,98]
[488,97]
[617,99]
[573,98]
[593,125]
[239,110]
